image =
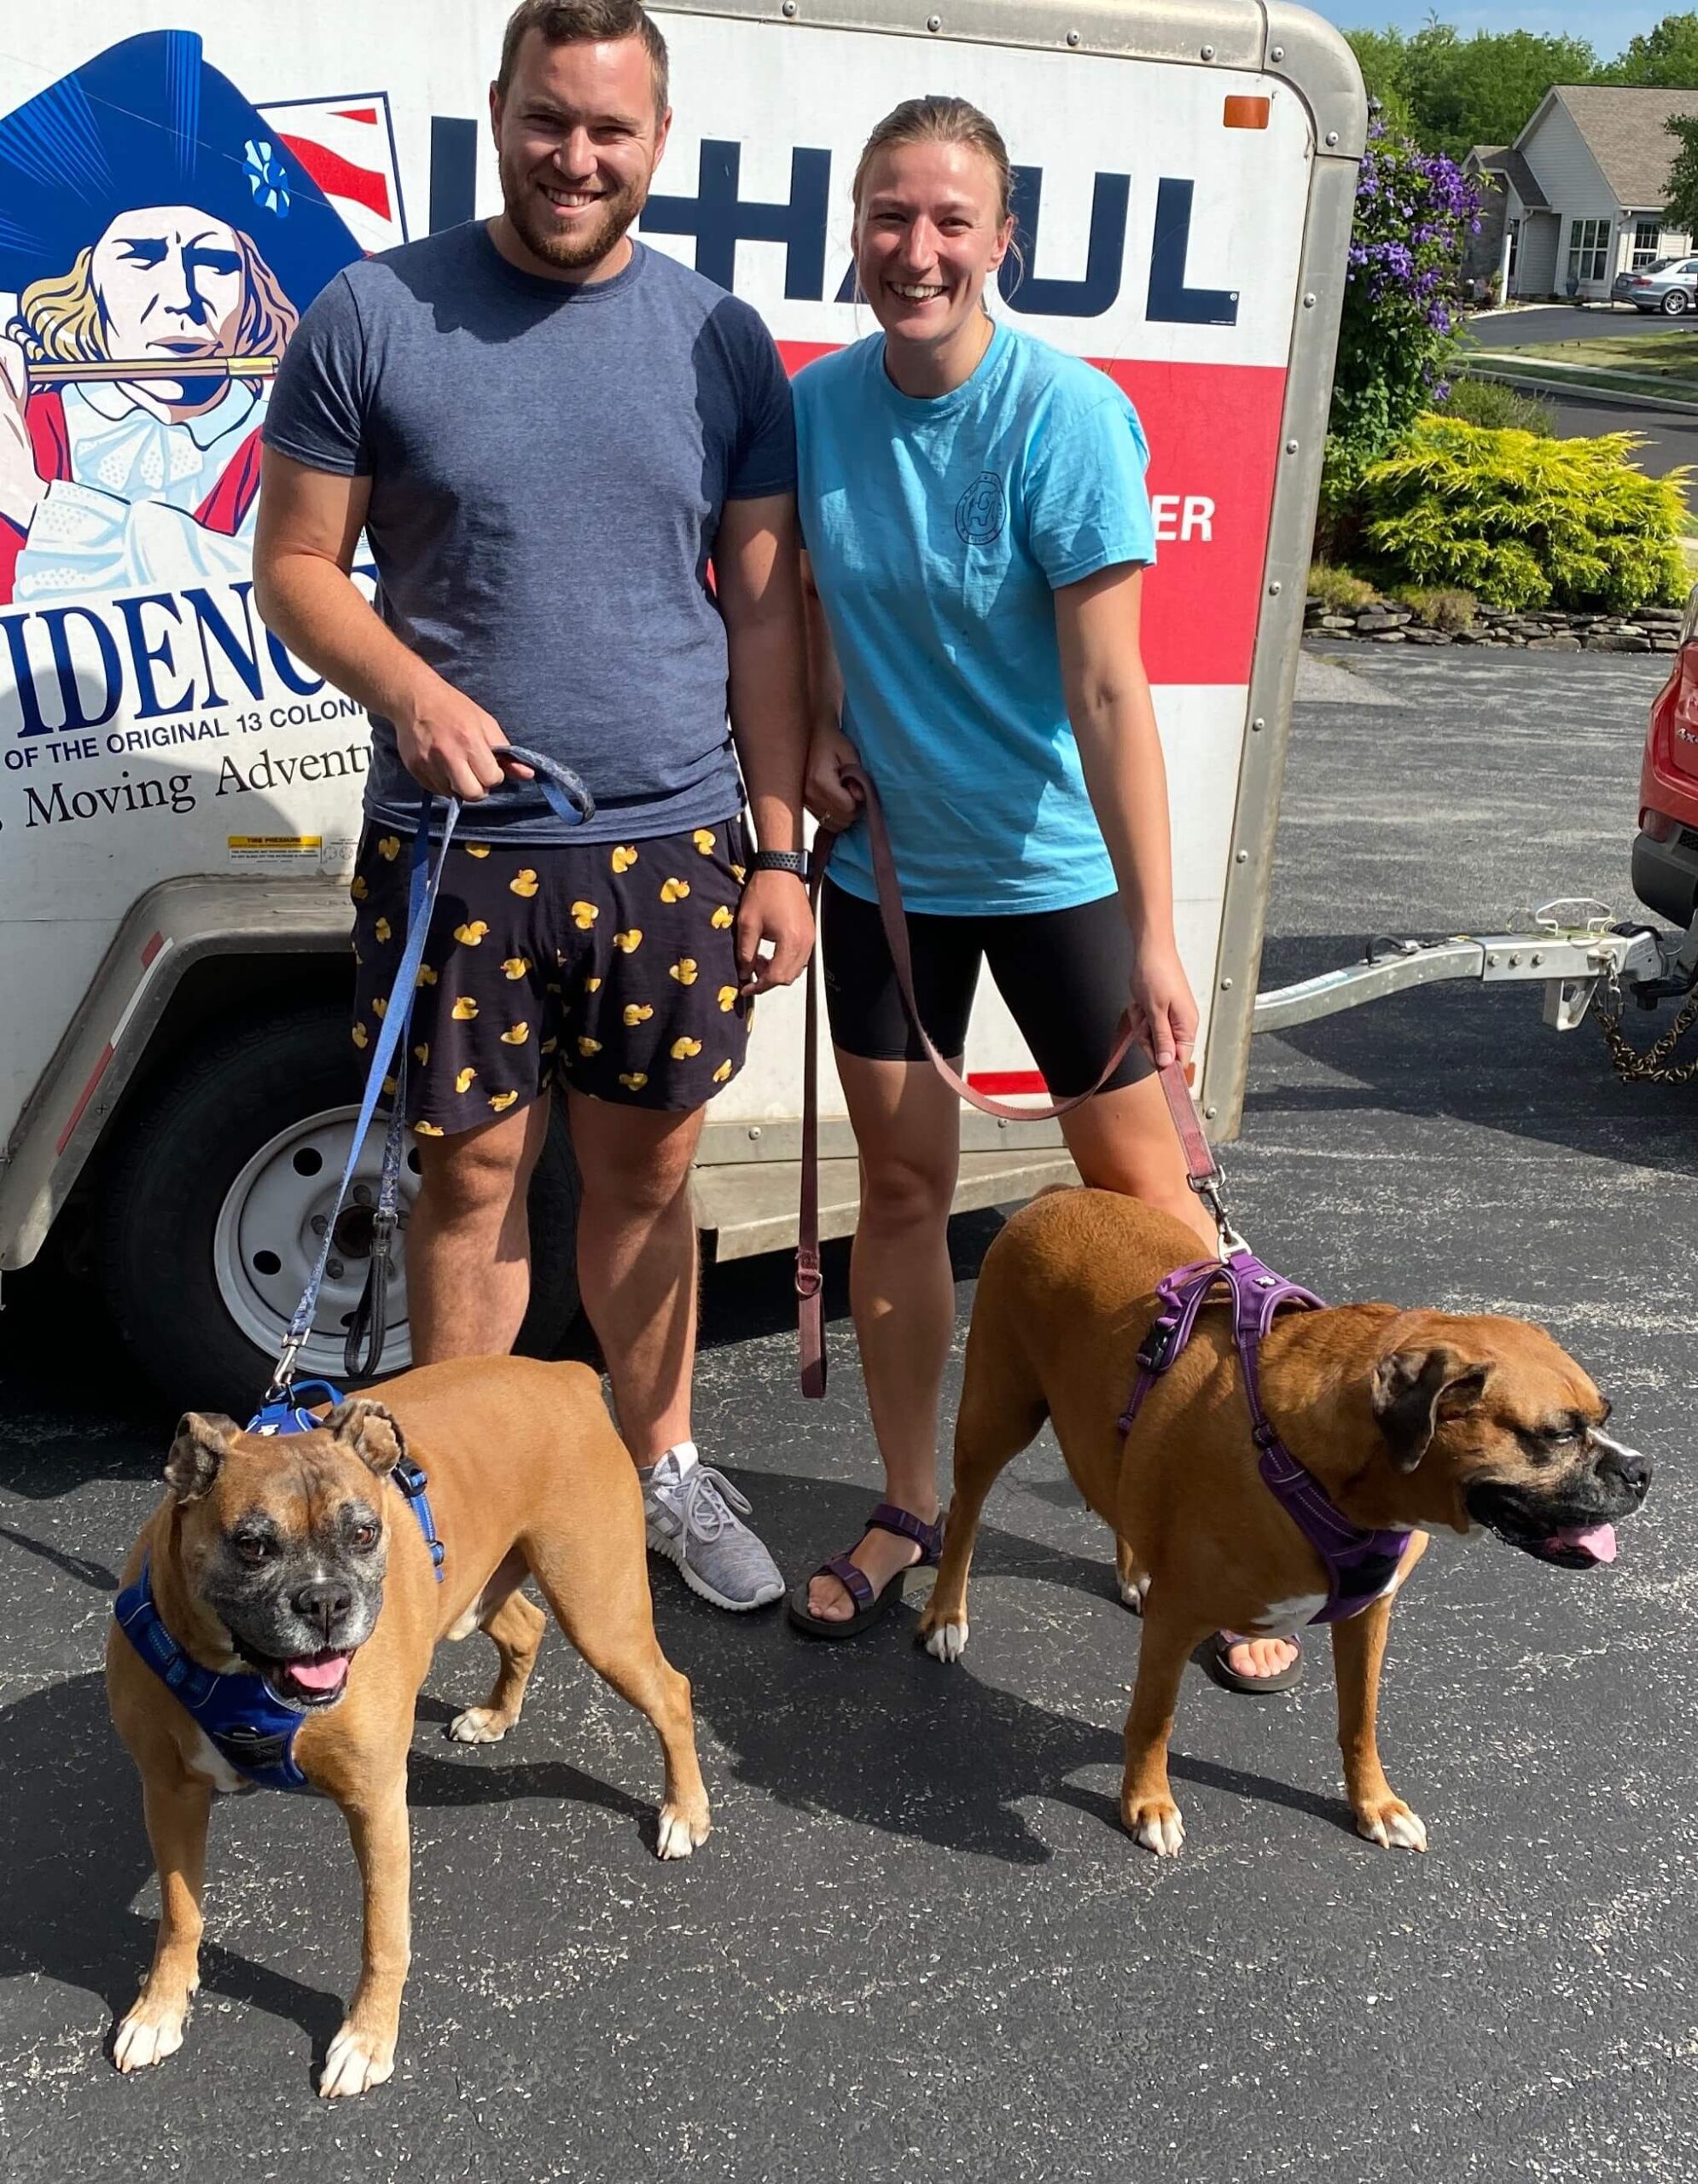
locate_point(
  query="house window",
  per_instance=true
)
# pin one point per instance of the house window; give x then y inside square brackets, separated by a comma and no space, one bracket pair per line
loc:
[1588,246]
[1648,242]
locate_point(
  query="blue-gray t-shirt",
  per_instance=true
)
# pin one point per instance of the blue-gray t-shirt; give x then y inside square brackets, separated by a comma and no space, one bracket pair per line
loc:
[549,461]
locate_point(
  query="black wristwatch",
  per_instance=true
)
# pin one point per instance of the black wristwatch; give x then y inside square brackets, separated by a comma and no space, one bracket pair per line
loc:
[780,861]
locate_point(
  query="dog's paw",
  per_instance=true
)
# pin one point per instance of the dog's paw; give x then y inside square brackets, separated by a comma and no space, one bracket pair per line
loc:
[357,2061]
[152,2031]
[1155,1822]
[1389,1823]
[478,1725]
[681,1831]
[946,1641]
[1132,1595]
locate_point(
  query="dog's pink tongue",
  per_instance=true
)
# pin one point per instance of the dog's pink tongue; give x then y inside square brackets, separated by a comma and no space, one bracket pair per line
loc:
[326,1672]
[1596,1540]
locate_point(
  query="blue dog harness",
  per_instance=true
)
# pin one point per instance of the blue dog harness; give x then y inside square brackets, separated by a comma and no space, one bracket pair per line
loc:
[240,1716]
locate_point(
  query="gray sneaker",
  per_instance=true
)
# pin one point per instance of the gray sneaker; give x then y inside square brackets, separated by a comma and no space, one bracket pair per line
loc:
[695,1519]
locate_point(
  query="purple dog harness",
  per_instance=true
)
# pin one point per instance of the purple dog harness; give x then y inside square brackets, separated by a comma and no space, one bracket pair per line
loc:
[1360,1566]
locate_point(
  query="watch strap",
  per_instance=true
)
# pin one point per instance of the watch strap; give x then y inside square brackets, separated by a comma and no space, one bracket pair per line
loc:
[780,861]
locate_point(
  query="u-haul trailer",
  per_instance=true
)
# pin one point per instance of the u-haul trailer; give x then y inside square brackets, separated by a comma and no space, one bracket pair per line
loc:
[179,797]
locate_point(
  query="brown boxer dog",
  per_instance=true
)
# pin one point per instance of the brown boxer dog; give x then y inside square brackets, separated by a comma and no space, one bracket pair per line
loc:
[296,1560]
[1406,1419]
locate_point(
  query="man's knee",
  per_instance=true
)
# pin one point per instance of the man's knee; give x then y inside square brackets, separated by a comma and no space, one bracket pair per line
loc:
[640,1174]
[478,1172]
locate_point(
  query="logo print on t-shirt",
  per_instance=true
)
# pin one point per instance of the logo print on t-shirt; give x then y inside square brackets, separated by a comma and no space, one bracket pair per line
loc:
[982,510]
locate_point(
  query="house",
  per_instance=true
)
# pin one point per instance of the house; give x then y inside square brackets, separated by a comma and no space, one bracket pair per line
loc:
[1579,196]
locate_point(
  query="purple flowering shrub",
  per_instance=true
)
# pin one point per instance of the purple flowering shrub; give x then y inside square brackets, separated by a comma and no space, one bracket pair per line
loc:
[1414,211]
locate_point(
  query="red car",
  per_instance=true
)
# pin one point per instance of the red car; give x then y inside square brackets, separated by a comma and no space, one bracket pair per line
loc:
[1665,850]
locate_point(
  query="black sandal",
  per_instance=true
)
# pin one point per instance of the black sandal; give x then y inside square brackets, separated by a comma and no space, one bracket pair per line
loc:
[1252,1687]
[870,1606]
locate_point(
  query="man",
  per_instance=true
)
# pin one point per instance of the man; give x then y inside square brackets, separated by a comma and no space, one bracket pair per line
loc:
[546,430]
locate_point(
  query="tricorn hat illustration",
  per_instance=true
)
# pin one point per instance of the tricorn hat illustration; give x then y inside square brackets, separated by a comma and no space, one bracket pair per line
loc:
[149,121]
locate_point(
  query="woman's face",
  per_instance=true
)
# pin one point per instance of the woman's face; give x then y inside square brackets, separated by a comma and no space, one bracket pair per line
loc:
[928,233]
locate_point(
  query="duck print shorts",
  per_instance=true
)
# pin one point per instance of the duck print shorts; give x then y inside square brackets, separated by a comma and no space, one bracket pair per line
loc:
[608,967]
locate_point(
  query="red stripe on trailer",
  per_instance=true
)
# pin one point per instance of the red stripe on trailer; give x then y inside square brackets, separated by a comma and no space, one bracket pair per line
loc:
[1213,434]
[155,942]
[88,1094]
[1000,1083]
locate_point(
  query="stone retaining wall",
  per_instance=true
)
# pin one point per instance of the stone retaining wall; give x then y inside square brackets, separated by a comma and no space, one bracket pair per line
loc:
[1383,622]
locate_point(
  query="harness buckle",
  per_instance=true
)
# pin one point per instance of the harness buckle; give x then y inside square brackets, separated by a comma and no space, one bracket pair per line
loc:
[1155,1352]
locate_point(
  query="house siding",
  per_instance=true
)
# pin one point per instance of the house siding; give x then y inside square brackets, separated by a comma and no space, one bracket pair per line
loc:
[1536,259]
[1576,191]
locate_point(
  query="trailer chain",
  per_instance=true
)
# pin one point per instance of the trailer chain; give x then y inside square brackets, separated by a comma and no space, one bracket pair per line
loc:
[1653,1067]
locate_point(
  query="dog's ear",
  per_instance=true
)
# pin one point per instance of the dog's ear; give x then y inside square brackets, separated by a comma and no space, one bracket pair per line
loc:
[371,1431]
[199,1446]
[1409,1387]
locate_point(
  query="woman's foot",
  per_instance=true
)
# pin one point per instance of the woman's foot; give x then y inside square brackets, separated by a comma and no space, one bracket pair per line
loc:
[1254,1658]
[880,1556]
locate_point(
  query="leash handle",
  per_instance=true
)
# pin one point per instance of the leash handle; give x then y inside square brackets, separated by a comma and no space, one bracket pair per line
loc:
[810,1277]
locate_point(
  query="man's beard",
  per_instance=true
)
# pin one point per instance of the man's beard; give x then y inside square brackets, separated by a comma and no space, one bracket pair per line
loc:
[572,254]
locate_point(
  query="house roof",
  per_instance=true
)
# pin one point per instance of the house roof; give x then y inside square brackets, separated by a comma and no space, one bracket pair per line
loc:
[1623,128]
[1505,160]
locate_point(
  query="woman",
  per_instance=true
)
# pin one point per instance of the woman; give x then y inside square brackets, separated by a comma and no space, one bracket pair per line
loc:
[977,528]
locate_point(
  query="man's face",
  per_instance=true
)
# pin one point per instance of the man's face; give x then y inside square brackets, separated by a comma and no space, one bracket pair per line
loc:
[578,140]
[170,283]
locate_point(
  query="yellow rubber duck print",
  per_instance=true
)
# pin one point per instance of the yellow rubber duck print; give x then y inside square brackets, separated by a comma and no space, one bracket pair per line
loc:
[426,1130]
[627,941]
[380,930]
[357,889]
[637,1011]
[623,858]
[684,970]
[584,914]
[589,1047]
[590,985]
[683,1049]
[740,873]
[703,839]
[426,977]
[471,935]
[464,1009]
[516,966]
[465,1080]
[523,882]
[380,1007]
[422,1052]
[501,1101]
[477,849]
[389,848]
[721,918]
[722,1073]
[728,997]
[674,891]
[515,1035]
[634,1080]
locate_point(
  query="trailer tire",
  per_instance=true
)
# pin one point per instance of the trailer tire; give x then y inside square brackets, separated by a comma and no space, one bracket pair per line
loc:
[207,1153]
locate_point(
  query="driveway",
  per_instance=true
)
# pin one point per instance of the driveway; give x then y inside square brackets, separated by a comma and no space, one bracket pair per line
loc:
[918,1945]
[1509,329]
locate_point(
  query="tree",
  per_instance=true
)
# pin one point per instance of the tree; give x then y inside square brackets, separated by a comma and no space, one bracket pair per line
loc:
[1682,210]
[1383,59]
[1667,55]
[1484,89]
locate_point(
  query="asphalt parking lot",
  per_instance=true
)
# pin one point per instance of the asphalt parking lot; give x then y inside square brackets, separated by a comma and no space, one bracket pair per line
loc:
[918,1943]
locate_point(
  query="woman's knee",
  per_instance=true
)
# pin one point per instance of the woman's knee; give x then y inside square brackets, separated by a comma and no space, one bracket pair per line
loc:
[899,1190]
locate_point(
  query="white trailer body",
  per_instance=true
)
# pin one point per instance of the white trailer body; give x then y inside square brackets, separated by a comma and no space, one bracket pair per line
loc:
[179,797]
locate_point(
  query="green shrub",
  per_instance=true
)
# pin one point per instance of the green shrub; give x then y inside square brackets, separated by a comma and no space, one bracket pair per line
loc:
[1338,591]
[1526,522]
[1490,401]
[1445,610]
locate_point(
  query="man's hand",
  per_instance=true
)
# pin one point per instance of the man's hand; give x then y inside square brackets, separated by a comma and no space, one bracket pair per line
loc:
[826,794]
[774,909]
[448,743]
[1163,1012]
[21,487]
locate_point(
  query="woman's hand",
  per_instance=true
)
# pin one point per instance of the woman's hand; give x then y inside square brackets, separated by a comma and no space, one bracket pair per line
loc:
[1163,1012]
[825,793]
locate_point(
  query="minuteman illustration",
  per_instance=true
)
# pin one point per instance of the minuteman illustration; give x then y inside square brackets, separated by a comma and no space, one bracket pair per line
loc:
[158,244]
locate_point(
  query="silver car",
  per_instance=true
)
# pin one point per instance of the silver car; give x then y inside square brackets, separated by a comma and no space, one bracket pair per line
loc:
[1670,286]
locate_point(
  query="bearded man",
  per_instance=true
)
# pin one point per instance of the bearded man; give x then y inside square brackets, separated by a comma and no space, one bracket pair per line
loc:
[546,430]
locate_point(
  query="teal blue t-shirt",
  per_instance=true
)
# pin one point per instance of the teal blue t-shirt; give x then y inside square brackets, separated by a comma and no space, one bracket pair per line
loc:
[940,532]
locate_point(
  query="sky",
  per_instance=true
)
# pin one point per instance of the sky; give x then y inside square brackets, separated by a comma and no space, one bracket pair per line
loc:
[1606,25]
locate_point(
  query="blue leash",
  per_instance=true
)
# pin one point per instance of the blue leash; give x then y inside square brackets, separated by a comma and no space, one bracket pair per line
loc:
[570,801]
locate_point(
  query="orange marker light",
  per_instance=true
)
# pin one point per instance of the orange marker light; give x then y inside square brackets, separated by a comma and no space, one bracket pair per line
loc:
[1246,114]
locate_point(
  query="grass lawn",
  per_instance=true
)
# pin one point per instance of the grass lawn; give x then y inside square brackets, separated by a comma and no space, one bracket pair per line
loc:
[1673,357]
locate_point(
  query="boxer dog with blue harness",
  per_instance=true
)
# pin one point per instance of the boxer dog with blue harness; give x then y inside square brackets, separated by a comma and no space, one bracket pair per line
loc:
[1263,1461]
[278,1615]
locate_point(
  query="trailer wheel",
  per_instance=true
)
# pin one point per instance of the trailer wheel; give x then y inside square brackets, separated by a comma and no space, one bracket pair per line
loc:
[208,1228]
